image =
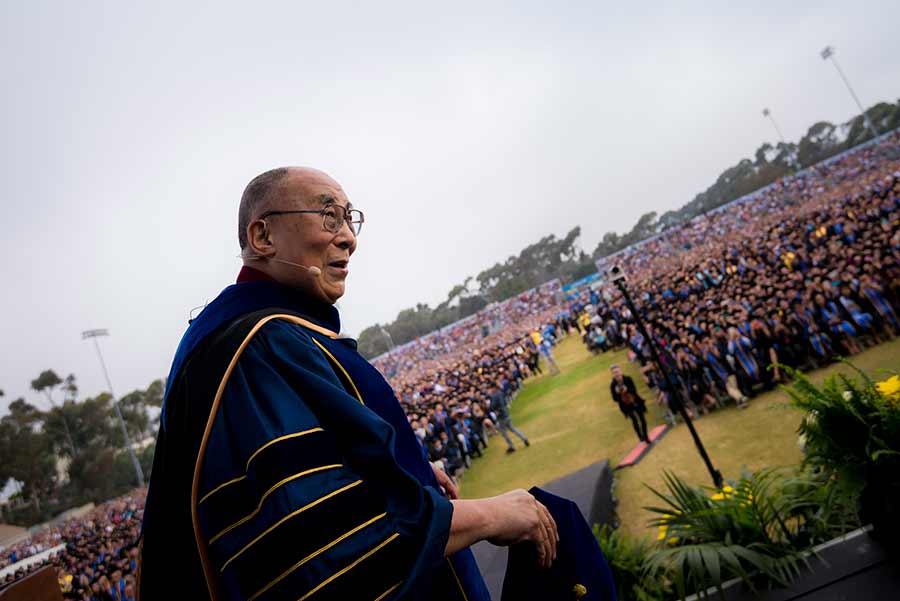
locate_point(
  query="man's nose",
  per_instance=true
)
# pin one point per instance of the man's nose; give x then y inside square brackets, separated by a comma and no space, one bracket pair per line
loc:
[346,238]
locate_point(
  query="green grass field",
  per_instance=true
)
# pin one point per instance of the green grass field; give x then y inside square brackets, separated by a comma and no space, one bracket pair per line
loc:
[572,422]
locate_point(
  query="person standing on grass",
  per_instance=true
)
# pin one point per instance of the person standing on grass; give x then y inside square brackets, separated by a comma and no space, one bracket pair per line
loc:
[625,394]
[500,406]
[547,351]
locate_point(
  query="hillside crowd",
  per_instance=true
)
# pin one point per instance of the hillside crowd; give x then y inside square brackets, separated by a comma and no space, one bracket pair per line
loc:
[99,562]
[797,274]
[802,273]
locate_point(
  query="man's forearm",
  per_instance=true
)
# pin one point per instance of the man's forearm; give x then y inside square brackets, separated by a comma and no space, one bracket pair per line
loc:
[471,523]
[507,519]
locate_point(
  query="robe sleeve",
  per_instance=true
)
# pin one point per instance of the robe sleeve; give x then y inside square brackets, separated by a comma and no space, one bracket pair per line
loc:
[300,494]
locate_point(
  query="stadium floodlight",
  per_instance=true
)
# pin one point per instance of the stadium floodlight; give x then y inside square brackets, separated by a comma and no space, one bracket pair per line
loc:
[790,158]
[828,53]
[387,338]
[768,113]
[617,276]
[93,335]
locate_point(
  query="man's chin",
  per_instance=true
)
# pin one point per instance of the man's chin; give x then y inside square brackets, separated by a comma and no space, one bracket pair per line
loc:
[333,292]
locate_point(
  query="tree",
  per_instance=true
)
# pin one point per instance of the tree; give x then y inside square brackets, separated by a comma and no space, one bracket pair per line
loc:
[155,392]
[99,439]
[548,258]
[819,143]
[47,383]
[23,413]
[27,455]
[92,475]
[372,342]
[134,409]
[645,227]
[609,244]
[70,388]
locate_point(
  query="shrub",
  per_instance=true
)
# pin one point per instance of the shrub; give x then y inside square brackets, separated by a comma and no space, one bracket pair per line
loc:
[852,436]
[754,529]
[627,557]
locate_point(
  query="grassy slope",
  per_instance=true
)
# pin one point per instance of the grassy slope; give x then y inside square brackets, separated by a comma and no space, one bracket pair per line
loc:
[572,423]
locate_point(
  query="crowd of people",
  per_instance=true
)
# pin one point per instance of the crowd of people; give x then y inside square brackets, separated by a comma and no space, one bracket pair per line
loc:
[33,545]
[457,385]
[100,558]
[795,275]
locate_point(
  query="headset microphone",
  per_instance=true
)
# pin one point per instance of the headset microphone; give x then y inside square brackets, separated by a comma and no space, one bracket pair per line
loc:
[313,271]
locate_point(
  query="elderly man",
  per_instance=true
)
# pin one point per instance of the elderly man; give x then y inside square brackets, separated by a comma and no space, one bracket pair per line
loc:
[285,467]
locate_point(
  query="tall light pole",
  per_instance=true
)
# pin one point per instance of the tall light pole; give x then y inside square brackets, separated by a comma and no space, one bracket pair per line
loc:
[828,53]
[388,338]
[767,113]
[94,334]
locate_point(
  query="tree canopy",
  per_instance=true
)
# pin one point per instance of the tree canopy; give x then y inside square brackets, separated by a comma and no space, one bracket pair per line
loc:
[74,451]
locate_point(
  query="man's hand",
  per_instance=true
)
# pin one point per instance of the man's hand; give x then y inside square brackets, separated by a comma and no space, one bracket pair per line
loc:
[504,520]
[518,516]
[446,483]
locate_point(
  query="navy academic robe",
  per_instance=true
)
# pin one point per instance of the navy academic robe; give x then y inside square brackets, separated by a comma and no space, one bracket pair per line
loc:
[285,468]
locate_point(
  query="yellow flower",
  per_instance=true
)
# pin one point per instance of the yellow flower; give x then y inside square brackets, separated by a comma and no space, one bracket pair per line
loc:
[725,493]
[889,388]
[663,526]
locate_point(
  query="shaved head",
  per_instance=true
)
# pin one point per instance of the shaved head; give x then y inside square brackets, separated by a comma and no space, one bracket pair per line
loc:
[266,189]
[258,194]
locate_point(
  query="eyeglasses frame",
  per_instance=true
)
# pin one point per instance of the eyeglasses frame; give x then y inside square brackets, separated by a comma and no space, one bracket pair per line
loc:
[346,219]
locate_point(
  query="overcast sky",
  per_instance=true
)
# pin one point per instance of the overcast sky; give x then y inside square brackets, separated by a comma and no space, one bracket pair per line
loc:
[464,130]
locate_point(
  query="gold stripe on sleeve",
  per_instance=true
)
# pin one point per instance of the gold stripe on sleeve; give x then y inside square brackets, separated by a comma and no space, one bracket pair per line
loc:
[315,554]
[458,583]
[253,456]
[220,487]
[270,491]
[343,371]
[279,439]
[388,592]
[350,567]
[289,516]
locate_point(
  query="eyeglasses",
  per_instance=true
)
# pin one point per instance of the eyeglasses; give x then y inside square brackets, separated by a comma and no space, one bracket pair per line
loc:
[333,217]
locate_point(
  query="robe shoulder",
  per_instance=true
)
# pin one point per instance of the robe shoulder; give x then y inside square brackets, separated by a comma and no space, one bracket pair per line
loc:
[300,494]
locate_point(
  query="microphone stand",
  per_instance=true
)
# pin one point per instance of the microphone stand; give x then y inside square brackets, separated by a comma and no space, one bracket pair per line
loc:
[673,386]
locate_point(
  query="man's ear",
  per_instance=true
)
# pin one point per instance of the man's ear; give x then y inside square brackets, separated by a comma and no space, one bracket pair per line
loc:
[259,239]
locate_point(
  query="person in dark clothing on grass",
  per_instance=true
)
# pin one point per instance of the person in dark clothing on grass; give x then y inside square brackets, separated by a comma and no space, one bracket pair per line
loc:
[500,406]
[625,394]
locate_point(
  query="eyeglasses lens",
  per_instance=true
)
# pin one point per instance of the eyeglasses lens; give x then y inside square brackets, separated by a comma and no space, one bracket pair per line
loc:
[334,219]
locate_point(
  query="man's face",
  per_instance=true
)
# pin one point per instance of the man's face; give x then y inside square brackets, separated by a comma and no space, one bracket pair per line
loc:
[302,239]
[617,372]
